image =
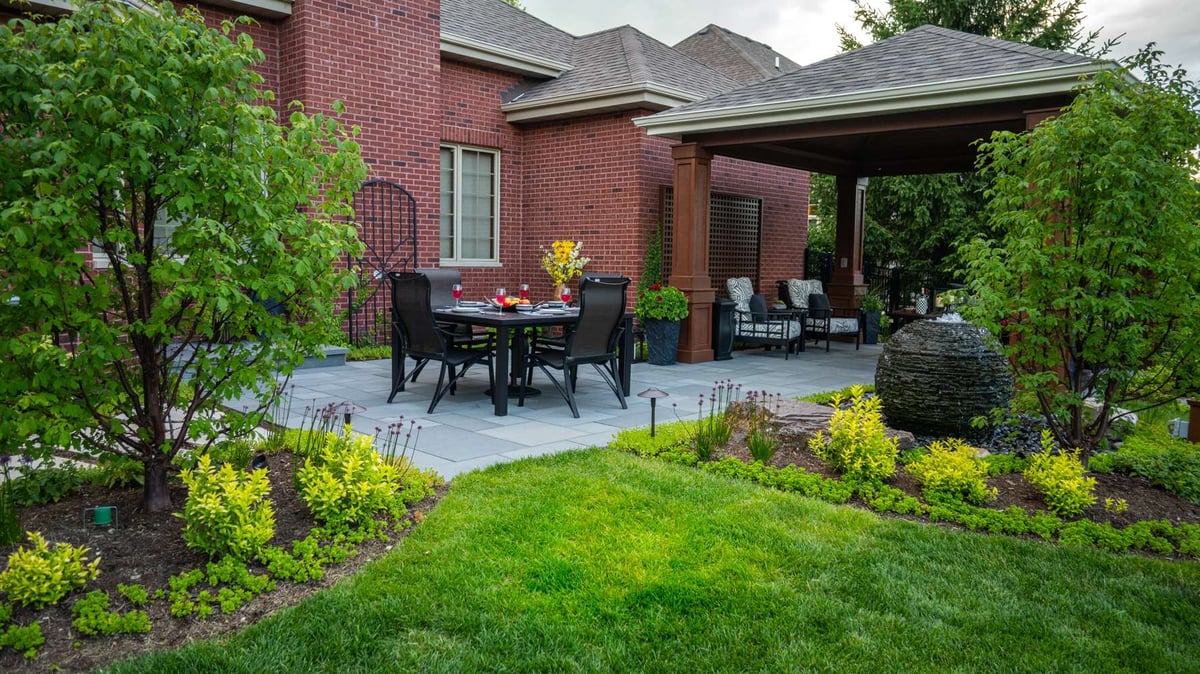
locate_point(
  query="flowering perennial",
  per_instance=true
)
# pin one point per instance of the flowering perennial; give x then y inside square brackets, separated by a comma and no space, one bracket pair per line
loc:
[563,261]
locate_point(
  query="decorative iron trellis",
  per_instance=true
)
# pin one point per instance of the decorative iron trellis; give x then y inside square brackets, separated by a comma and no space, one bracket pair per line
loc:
[387,226]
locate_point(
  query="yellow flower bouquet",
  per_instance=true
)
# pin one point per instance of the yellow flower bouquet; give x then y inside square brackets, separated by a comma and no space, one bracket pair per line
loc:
[563,261]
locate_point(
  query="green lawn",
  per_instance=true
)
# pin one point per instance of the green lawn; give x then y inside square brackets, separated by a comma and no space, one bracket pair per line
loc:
[600,561]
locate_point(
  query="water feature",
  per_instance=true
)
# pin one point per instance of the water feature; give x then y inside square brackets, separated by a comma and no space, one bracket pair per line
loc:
[935,376]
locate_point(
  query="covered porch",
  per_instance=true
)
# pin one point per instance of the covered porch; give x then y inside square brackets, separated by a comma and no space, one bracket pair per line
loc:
[916,103]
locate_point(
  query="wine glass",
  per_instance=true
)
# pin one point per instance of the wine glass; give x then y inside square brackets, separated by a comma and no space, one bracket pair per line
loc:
[565,296]
[501,293]
[456,290]
[524,291]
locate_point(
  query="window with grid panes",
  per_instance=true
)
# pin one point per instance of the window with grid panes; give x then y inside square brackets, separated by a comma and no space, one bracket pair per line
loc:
[470,216]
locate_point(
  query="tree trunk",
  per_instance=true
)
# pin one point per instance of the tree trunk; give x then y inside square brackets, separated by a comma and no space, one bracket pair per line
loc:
[156,497]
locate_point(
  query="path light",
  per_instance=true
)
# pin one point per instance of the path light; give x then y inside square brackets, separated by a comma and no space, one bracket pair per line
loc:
[348,408]
[653,394]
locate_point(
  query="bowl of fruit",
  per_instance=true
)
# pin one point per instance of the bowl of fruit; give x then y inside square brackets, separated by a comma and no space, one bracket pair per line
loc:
[514,304]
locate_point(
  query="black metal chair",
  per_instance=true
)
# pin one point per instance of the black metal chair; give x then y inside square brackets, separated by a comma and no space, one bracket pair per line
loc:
[592,341]
[825,320]
[416,334]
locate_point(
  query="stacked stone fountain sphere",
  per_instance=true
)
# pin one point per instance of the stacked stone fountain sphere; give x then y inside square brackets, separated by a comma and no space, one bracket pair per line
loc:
[935,376]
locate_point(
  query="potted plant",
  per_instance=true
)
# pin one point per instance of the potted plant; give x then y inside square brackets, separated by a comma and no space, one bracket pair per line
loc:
[660,308]
[872,308]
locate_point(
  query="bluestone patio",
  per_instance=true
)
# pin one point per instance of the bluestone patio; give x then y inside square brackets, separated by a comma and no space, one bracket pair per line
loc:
[463,434]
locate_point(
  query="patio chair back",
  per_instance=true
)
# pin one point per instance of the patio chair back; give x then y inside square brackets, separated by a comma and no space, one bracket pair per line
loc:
[601,309]
[412,317]
[440,284]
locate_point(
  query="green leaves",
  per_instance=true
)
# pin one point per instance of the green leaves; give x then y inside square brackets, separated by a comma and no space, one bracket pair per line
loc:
[1096,260]
[122,125]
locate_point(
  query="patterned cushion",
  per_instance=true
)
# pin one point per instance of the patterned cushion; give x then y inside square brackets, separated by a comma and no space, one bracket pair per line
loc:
[740,290]
[843,326]
[799,290]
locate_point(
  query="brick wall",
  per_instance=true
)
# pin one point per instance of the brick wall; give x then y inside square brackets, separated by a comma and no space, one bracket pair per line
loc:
[582,182]
[470,107]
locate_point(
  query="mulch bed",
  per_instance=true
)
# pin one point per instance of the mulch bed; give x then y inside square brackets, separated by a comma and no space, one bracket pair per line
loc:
[147,549]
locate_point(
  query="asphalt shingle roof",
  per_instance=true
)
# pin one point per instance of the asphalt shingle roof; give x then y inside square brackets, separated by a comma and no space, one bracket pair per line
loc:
[624,56]
[497,23]
[924,55]
[734,55]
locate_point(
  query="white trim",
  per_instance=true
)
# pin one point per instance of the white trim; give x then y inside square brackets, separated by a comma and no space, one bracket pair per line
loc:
[640,94]
[271,9]
[457,149]
[912,98]
[506,59]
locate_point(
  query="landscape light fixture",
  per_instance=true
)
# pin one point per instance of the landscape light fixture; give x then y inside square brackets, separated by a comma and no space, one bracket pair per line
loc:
[653,394]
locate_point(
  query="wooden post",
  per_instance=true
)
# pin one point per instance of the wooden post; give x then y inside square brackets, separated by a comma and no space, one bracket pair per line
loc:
[847,282]
[689,250]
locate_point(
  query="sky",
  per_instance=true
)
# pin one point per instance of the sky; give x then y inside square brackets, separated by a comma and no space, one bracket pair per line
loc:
[806,30]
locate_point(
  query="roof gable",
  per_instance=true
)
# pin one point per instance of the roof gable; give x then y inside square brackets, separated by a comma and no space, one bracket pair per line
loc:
[644,71]
[734,55]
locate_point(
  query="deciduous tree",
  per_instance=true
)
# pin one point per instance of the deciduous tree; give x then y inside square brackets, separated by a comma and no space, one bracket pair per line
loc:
[147,136]
[1096,270]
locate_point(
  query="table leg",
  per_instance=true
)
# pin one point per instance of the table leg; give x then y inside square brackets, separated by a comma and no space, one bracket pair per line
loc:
[499,387]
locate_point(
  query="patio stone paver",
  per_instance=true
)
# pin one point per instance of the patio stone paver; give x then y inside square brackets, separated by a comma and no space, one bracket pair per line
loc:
[462,434]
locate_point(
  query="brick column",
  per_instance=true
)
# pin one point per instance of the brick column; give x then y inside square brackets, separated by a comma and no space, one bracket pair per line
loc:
[847,282]
[689,250]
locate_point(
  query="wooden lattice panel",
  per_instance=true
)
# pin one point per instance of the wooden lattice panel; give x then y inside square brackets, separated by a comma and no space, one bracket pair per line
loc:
[733,240]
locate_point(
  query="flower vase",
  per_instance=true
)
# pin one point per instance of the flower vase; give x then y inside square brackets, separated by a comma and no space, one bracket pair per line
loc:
[662,341]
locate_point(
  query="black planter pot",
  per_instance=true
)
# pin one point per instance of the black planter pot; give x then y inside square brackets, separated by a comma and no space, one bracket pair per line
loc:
[871,327]
[662,341]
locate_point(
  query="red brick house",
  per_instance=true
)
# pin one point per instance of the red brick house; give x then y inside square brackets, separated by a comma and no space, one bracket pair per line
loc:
[510,133]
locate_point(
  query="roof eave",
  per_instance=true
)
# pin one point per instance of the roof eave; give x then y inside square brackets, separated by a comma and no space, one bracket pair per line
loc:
[475,51]
[945,94]
[643,95]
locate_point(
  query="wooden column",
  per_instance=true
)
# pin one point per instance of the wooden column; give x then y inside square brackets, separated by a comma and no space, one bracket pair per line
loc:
[689,250]
[847,282]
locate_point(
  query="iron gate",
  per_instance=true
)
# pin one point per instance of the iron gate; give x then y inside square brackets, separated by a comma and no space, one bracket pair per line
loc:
[387,226]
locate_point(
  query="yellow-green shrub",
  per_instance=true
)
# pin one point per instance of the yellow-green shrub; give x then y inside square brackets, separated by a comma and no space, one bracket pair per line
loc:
[346,482]
[227,512]
[950,469]
[1060,479]
[857,445]
[39,576]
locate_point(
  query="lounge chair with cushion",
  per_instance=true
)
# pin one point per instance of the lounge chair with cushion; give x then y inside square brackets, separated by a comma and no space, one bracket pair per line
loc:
[754,323]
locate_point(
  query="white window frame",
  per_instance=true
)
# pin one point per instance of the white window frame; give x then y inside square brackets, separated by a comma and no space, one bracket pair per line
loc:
[457,259]
[164,231]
